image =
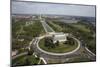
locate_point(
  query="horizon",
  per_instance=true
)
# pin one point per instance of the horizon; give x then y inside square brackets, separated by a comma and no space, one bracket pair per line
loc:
[52,9]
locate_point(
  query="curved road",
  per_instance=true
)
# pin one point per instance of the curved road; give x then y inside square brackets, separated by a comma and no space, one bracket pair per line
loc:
[58,54]
[54,55]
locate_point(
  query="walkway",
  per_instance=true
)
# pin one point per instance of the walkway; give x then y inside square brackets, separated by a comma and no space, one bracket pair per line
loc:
[47,28]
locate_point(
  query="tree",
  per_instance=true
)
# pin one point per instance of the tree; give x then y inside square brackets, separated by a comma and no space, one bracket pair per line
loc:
[30,52]
[66,42]
[57,43]
[49,43]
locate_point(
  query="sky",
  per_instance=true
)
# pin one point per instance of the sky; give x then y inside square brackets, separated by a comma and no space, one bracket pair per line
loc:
[51,8]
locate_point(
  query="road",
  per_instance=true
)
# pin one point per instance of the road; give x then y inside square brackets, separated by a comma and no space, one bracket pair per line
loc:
[21,54]
[91,55]
[52,56]
[58,54]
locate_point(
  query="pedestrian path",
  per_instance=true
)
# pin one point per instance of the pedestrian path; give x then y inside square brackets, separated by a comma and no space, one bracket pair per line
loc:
[47,28]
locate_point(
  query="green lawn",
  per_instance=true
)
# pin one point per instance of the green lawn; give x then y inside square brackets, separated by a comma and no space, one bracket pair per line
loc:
[56,27]
[62,48]
[80,27]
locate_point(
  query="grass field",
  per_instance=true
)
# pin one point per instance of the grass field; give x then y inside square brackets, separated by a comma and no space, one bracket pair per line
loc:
[58,28]
[62,48]
[80,27]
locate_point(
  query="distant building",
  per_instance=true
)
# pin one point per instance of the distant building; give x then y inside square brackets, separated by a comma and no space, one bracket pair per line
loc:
[61,37]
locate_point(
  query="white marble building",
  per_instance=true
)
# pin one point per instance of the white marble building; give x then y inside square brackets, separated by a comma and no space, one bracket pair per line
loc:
[61,37]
